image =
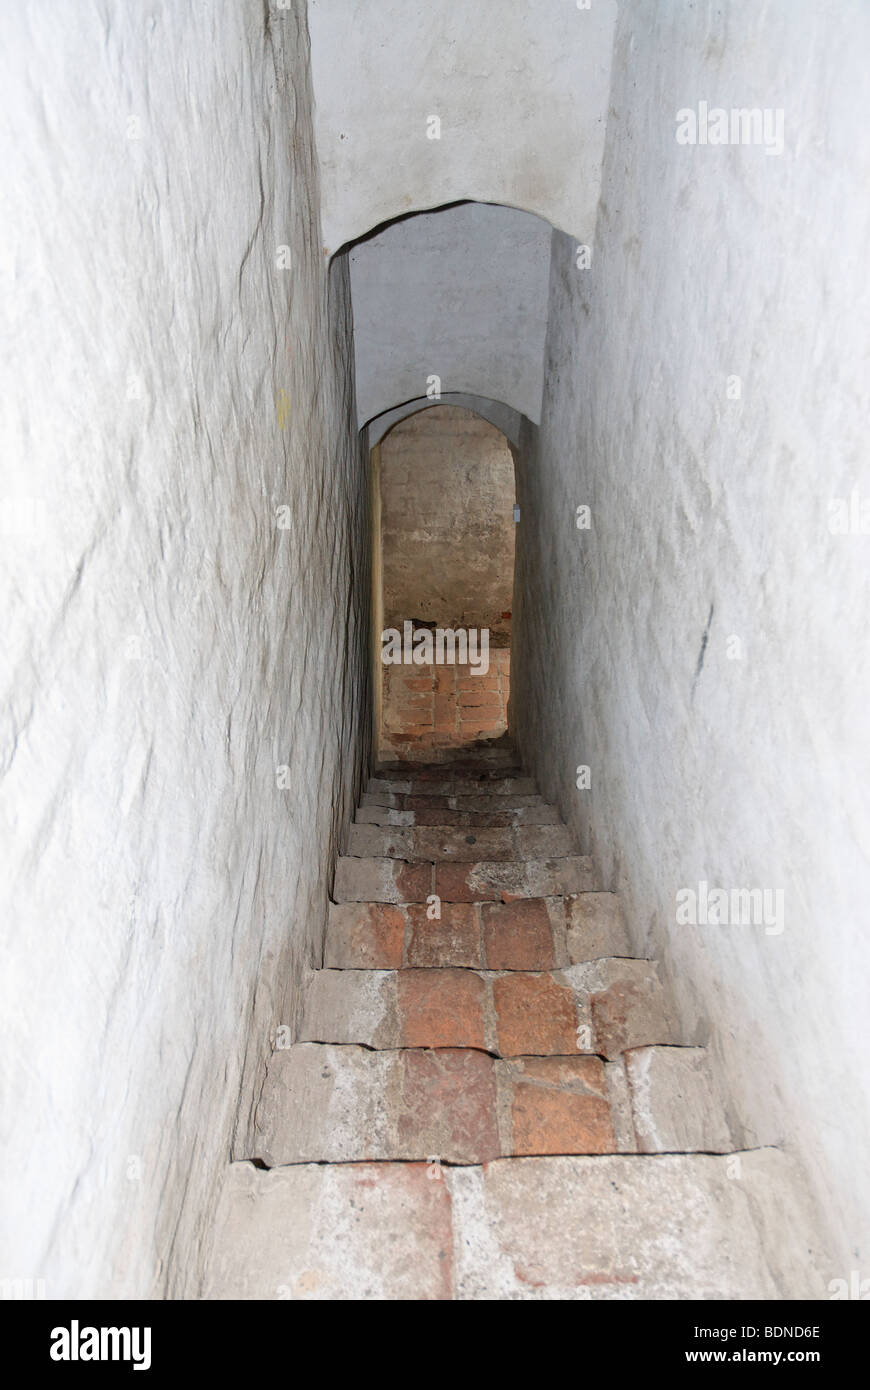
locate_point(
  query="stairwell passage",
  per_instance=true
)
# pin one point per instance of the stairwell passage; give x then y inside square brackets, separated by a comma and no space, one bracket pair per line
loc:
[488,1096]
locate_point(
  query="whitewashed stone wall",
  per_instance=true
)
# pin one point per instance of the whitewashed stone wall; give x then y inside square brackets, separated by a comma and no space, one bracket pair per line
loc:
[744,764]
[167,645]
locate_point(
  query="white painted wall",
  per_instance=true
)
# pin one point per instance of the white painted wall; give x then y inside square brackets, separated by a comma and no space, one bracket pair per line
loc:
[710,262]
[459,294]
[166,646]
[520,90]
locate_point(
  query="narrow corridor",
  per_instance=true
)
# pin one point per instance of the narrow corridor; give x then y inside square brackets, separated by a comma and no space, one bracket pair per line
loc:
[334,970]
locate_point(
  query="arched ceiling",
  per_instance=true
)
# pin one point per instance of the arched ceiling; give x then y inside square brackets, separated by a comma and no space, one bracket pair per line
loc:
[502,416]
[521,91]
[460,294]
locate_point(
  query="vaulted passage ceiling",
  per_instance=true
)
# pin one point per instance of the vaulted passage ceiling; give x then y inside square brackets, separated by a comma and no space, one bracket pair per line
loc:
[520,92]
[460,295]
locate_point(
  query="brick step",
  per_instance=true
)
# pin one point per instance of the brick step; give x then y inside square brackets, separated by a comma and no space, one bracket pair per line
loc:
[474,801]
[605,1007]
[501,761]
[396,881]
[323,1103]
[339,1103]
[521,815]
[457,844]
[460,785]
[529,934]
[429,744]
[618,1227]
[675,1102]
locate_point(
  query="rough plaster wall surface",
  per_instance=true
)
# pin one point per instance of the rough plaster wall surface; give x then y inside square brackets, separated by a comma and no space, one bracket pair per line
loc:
[520,91]
[447,530]
[167,645]
[710,521]
[459,294]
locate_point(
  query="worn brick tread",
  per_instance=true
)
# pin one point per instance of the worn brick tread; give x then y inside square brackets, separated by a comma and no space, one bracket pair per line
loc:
[323,1103]
[460,844]
[527,934]
[577,1228]
[604,1007]
[384,880]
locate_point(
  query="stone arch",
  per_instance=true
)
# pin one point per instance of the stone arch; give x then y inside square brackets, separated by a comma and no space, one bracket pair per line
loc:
[504,417]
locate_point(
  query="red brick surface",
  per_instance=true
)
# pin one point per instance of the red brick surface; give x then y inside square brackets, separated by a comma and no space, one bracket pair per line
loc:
[441,1008]
[518,936]
[534,1014]
[366,936]
[560,1107]
[426,707]
[450,1094]
[454,940]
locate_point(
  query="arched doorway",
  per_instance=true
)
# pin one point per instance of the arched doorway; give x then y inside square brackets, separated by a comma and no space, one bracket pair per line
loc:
[444,481]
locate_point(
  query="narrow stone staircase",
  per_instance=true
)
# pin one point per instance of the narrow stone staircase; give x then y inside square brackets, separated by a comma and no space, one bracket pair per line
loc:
[488,1096]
